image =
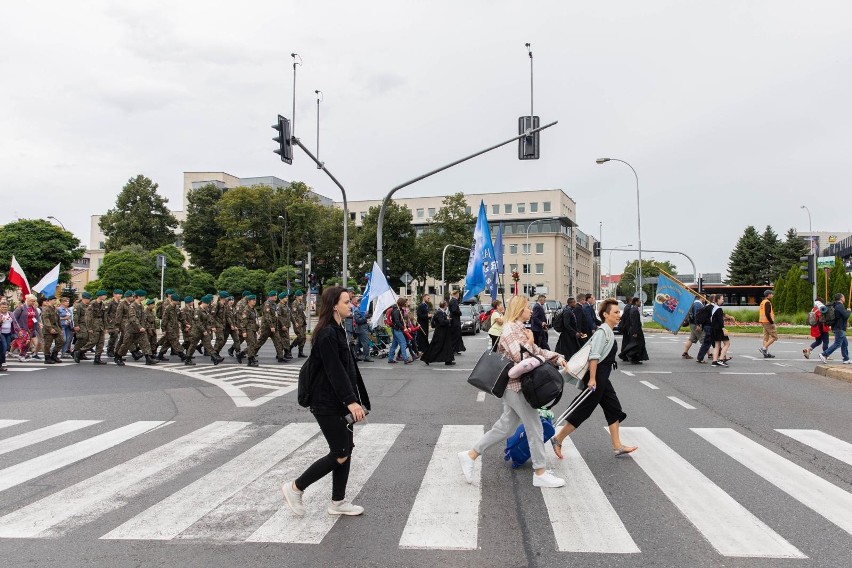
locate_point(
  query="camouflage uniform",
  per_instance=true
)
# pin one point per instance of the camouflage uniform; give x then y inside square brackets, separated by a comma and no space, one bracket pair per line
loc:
[150,323]
[248,328]
[171,331]
[133,334]
[202,323]
[284,324]
[96,324]
[187,314]
[219,318]
[51,332]
[111,308]
[297,315]
[232,328]
[81,332]
[269,326]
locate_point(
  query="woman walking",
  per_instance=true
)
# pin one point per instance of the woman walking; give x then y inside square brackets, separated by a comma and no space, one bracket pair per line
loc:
[820,332]
[397,330]
[601,364]
[441,346]
[338,392]
[496,327]
[516,409]
[721,342]
[8,328]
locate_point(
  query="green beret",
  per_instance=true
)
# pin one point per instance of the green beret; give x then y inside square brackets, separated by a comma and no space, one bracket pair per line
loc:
[282,295]
[230,298]
[141,293]
[272,293]
[207,298]
[86,296]
[118,291]
[246,293]
[251,297]
[298,292]
[188,300]
[223,293]
[175,298]
[128,294]
[149,301]
[169,292]
[101,293]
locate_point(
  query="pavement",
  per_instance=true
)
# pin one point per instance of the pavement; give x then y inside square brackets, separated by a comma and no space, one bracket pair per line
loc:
[745,466]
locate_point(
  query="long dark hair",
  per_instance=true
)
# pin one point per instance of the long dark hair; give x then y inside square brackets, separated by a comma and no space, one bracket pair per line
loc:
[330,297]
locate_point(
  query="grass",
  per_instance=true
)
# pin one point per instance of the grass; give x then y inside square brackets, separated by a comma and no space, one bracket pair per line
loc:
[751,316]
[756,329]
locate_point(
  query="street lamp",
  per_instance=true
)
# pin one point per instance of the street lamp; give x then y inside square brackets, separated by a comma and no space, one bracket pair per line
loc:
[609,270]
[813,252]
[528,240]
[58,221]
[638,223]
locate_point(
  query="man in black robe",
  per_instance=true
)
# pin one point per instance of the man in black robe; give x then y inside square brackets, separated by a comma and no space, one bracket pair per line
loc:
[455,323]
[423,320]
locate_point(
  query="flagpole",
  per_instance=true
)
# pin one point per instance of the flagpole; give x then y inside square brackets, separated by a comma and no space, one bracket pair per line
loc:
[679,283]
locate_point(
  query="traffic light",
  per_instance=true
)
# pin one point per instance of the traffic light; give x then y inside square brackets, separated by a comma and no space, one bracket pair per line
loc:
[528,146]
[596,249]
[809,269]
[300,272]
[312,279]
[285,146]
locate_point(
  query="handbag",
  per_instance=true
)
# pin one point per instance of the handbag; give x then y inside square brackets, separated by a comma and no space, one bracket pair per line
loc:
[578,364]
[491,372]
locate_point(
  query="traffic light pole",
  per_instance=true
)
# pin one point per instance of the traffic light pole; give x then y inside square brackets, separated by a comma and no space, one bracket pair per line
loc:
[381,221]
[694,270]
[321,166]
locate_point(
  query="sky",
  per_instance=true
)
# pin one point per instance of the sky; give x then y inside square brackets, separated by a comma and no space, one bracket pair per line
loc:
[732,113]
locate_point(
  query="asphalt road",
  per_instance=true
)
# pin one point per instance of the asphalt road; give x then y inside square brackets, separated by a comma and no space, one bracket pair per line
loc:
[169,466]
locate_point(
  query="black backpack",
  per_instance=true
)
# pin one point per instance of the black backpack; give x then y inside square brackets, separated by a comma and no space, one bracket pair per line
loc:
[558,323]
[307,379]
[703,315]
[830,315]
[543,386]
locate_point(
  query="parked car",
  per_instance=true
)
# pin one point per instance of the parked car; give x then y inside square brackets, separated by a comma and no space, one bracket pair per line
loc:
[469,319]
[551,308]
[647,311]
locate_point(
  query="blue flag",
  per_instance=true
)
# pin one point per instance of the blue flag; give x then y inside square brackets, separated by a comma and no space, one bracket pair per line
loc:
[482,263]
[365,297]
[671,303]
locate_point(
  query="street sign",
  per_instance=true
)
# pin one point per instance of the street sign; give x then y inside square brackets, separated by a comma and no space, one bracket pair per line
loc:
[825,262]
[686,278]
[161,261]
[643,297]
[650,280]
[406,278]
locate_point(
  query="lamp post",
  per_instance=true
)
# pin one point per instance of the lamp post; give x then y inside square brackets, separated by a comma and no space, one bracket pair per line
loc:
[638,223]
[443,264]
[609,270]
[528,241]
[319,98]
[813,252]
[63,226]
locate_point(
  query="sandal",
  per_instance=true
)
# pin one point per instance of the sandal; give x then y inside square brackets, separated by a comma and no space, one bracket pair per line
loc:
[557,447]
[624,450]
[807,353]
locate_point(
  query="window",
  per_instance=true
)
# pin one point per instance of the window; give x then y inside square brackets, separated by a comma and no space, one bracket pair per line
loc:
[352,215]
[522,207]
[512,268]
[101,245]
[495,209]
[539,268]
[507,208]
[513,249]
[526,248]
[363,215]
[467,210]
[431,212]
[526,269]
[533,207]
[420,213]
[545,206]
[539,248]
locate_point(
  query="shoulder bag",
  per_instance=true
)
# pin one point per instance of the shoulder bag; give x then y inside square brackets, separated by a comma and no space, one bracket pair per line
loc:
[491,372]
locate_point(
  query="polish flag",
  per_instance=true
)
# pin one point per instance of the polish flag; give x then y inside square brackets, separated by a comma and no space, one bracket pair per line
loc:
[17,276]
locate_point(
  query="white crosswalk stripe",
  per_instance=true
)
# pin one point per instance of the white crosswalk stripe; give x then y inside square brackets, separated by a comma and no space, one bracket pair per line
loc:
[238,498]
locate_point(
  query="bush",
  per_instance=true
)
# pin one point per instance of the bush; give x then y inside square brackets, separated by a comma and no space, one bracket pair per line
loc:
[743,315]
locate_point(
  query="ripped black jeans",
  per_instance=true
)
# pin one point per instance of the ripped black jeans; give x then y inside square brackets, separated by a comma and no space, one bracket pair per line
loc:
[340,440]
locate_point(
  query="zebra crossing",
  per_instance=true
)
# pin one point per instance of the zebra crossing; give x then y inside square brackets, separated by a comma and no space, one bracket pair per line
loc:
[237,499]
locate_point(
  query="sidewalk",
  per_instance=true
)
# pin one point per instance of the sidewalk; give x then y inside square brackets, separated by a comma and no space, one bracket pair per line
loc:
[843,373]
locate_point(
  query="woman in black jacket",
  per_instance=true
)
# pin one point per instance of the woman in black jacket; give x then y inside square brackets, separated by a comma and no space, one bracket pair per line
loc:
[338,393]
[441,346]
[719,333]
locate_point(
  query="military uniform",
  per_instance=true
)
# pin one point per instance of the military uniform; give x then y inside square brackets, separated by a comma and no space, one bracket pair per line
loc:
[81,328]
[111,307]
[269,325]
[150,323]
[201,332]
[134,333]
[51,332]
[297,315]
[171,329]
[248,329]
[96,324]
[231,327]
[218,313]
[284,324]
[186,317]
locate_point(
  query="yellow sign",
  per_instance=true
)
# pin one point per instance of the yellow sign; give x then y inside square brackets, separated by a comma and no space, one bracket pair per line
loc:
[832,239]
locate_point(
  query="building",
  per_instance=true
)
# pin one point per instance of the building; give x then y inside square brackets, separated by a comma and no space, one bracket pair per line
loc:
[541,239]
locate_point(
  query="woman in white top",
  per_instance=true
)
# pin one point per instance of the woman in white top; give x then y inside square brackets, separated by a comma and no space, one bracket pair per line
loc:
[496,327]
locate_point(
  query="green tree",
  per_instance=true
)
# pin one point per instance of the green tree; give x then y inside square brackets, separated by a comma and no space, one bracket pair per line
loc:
[129,268]
[770,257]
[278,279]
[245,216]
[791,250]
[176,275]
[452,225]
[399,239]
[198,283]
[744,265]
[140,217]
[780,290]
[797,293]
[38,246]
[93,286]
[201,232]
[650,268]
[235,279]
[838,280]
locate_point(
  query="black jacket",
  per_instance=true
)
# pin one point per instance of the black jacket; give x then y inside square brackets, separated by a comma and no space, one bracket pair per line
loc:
[841,315]
[396,319]
[423,315]
[339,382]
[538,319]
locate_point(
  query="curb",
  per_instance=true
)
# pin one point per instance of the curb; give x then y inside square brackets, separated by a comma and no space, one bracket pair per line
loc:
[735,334]
[834,372]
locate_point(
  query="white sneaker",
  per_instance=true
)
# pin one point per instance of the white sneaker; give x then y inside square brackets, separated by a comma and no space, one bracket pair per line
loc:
[547,479]
[466,465]
[293,498]
[848,362]
[822,358]
[344,508]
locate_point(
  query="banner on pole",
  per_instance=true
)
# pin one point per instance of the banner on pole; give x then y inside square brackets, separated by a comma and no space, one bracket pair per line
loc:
[671,303]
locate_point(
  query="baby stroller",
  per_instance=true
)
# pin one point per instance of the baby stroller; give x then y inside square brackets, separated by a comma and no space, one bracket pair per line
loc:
[379,342]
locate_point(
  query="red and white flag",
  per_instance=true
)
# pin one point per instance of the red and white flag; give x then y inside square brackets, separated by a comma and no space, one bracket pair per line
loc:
[17,276]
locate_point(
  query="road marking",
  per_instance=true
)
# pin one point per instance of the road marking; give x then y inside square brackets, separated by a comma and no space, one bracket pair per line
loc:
[480,396]
[680,402]
[451,369]
[372,442]
[736,373]
[7,423]
[171,516]
[36,467]
[113,488]
[782,365]
[628,373]
[649,385]
[814,492]
[42,434]
[19,370]
[653,372]
[729,527]
[582,517]
[835,447]
[752,358]
[445,513]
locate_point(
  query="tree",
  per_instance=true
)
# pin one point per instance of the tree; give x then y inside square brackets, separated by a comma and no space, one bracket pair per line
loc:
[278,279]
[399,239]
[140,217]
[838,280]
[129,268]
[93,286]
[201,232]
[650,268]
[791,250]
[744,266]
[452,225]
[198,283]
[770,255]
[238,278]
[176,275]
[245,216]
[38,246]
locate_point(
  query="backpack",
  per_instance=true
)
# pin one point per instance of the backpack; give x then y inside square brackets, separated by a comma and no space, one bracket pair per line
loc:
[306,383]
[543,386]
[518,447]
[485,320]
[813,318]
[703,316]
[389,318]
[557,323]
[830,315]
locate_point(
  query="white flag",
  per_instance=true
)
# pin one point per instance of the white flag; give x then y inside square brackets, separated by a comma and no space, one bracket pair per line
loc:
[381,293]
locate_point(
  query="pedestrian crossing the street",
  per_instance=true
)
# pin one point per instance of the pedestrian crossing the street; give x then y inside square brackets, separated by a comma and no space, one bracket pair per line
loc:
[221,483]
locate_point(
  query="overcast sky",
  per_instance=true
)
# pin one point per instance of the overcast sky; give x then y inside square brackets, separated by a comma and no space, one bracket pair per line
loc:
[733,113]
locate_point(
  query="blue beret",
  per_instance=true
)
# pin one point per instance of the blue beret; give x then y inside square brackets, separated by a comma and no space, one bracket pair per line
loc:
[188,299]
[282,295]
[298,292]
[251,297]
[175,298]
[272,293]
[141,293]
[101,293]
[223,294]
[128,294]
[86,295]
[207,298]
[118,291]
[169,291]
[149,301]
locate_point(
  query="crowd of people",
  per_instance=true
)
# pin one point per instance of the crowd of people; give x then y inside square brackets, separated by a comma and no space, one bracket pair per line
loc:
[123,322]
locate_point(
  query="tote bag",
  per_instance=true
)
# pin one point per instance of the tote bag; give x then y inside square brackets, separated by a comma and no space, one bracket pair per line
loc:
[491,372]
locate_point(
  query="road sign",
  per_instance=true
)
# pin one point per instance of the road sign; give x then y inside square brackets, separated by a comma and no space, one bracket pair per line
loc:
[161,261]
[825,262]
[650,280]
[643,297]
[406,278]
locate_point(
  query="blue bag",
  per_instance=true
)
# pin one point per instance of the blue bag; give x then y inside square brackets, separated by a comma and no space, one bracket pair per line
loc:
[518,447]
